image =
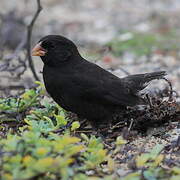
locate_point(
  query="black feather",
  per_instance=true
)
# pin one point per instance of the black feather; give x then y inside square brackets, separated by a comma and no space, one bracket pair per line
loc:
[85,88]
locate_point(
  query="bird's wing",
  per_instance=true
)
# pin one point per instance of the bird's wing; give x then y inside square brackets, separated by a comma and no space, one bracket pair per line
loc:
[106,88]
[111,94]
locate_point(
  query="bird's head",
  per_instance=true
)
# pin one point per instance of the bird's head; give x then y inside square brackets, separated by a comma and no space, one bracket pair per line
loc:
[55,49]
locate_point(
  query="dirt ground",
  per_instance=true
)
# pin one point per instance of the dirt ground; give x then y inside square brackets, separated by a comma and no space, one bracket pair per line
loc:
[92,24]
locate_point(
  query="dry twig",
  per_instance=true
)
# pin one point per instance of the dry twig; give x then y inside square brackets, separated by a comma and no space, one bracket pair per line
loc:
[29,34]
[131,123]
[170,89]
[20,66]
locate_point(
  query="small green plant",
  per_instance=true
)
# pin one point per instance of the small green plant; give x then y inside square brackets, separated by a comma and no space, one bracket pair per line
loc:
[11,107]
[44,146]
[143,43]
[31,154]
[139,44]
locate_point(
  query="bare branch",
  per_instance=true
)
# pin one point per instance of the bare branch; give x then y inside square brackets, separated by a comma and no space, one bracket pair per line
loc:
[170,89]
[29,34]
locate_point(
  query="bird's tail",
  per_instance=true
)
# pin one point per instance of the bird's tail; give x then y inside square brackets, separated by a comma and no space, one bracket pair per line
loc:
[155,75]
[138,82]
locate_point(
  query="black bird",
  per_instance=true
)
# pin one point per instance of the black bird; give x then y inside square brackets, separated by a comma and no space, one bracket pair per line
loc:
[84,88]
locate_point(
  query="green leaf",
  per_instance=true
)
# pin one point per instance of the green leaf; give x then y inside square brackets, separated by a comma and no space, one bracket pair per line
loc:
[176,170]
[80,176]
[75,125]
[148,175]
[175,177]
[61,121]
[132,176]
[142,159]
[156,150]
[85,137]
[120,141]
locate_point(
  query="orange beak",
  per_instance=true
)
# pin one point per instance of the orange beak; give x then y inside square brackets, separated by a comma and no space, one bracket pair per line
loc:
[38,50]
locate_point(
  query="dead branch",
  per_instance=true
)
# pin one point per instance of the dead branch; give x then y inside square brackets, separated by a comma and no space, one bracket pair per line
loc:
[29,34]
[20,66]
[149,101]
[170,89]
[131,123]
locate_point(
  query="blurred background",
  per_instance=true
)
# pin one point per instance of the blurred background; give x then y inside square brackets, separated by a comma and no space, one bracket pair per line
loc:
[122,36]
